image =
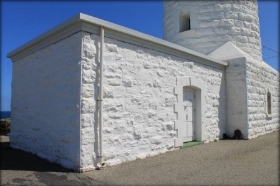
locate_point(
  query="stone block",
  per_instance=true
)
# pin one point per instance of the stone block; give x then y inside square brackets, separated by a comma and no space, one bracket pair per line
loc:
[113,75]
[111,48]
[234,30]
[238,23]
[87,91]
[86,120]
[222,7]
[231,15]
[242,39]
[89,50]
[88,76]
[204,16]
[217,15]
[244,17]
[246,32]
[220,31]
[114,82]
[213,23]
[206,8]
[226,22]
[247,24]
[254,27]
[87,106]
[236,7]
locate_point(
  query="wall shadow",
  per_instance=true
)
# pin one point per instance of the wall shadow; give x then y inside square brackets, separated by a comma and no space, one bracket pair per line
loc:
[222,115]
[96,97]
[14,159]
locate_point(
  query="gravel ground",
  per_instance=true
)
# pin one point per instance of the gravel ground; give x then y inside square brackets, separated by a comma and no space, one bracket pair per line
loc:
[226,162]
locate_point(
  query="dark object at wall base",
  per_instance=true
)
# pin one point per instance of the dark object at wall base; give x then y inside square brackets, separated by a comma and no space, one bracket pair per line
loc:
[237,135]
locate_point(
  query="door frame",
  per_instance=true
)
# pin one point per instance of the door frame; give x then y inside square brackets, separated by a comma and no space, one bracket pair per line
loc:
[191,91]
[199,87]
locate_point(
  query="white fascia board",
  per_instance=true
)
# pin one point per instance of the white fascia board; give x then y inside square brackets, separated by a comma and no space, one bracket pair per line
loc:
[74,25]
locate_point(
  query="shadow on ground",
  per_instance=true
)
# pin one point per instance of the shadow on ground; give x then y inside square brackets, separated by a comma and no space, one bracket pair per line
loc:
[14,159]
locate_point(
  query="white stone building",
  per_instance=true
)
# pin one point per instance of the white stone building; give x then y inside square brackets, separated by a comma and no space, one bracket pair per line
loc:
[206,80]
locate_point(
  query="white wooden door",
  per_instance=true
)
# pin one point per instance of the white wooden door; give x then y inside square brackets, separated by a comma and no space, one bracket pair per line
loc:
[189,111]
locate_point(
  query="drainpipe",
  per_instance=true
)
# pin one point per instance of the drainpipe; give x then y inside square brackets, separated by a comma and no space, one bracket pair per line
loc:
[101,100]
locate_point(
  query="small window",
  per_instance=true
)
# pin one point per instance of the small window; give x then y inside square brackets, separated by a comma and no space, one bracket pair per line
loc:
[268,101]
[185,21]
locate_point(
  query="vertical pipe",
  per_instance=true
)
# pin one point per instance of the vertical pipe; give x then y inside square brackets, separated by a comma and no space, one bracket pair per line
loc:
[101,97]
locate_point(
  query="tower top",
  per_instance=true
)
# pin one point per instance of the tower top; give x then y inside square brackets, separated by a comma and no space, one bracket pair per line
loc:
[203,26]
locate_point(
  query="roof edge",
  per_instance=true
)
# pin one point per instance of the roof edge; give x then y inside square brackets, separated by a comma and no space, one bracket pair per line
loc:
[112,26]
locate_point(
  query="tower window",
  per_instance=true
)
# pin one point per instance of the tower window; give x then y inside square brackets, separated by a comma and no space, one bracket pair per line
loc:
[185,21]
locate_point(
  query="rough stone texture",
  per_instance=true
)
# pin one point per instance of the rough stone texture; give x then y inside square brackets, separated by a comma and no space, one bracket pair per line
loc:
[236,97]
[89,105]
[55,91]
[247,82]
[213,23]
[260,78]
[139,100]
[236,90]
[46,102]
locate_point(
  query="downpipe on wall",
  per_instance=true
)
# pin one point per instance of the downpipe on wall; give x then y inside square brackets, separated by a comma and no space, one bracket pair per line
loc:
[100,100]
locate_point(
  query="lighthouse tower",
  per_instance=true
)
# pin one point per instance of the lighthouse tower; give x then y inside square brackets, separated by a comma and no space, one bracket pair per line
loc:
[204,26]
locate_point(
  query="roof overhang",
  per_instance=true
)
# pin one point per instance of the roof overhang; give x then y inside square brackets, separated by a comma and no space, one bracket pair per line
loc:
[83,22]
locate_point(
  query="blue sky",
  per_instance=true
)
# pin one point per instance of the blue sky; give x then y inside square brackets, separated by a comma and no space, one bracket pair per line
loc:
[22,21]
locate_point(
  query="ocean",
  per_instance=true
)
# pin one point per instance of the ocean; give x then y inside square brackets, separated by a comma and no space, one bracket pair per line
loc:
[5,114]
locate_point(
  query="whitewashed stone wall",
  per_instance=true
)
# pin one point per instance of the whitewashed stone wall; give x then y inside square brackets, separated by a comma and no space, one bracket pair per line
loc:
[46,102]
[139,99]
[55,92]
[89,105]
[236,97]
[260,78]
[213,23]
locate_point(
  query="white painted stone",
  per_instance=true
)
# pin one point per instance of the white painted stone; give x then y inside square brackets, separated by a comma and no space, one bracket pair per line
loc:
[48,102]
[206,17]
[55,87]
[264,78]
[222,52]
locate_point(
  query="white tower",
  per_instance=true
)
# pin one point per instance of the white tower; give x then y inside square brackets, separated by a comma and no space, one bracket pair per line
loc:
[203,26]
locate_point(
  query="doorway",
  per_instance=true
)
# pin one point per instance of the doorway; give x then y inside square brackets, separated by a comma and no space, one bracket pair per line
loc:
[189,112]
[190,109]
